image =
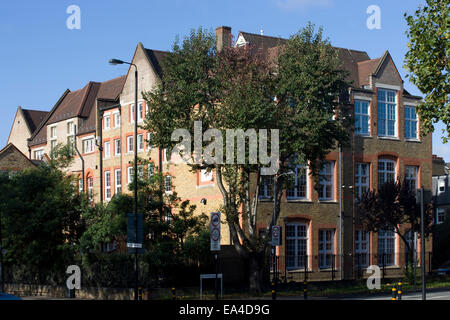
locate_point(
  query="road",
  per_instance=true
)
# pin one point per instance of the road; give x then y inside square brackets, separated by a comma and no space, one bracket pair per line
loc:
[434,295]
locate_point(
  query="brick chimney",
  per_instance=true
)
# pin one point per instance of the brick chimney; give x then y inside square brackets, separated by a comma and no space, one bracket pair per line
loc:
[223,37]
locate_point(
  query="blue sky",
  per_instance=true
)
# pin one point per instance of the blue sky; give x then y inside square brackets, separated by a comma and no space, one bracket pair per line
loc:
[40,57]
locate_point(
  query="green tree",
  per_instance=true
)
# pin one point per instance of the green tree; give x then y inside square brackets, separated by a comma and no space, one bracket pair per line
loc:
[427,60]
[235,89]
[391,207]
[40,210]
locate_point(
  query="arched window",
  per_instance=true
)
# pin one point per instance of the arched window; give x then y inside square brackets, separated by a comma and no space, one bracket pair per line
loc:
[296,245]
[386,171]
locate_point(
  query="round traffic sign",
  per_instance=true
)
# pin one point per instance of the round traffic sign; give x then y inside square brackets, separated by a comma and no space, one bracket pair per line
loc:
[215,219]
[215,234]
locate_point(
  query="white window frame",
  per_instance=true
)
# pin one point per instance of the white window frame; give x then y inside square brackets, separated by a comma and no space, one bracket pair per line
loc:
[168,182]
[107,149]
[360,186]
[118,181]
[361,117]
[206,176]
[130,174]
[140,141]
[130,139]
[362,248]
[38,153]
[107,185]
[294,193]
[296,244]
[326,248]
[411,174]
[117,146]
[389,109]
[411,123]
[325,183]
[441,183]
[117,119]
[107,121]
[387,238]
[91,142]
[132,113]
[90,183]
[140,112]
[53,144]
[385,172]
[53,136]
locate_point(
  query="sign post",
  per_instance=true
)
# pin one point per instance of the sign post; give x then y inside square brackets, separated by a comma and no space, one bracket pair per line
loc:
[214,228]
[135,238]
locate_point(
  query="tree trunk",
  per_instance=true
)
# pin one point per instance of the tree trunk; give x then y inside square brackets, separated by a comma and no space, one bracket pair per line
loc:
[256,271]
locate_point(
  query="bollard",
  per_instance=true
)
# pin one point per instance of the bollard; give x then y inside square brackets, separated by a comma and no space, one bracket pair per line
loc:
[305,290]
[394,293]
[174,295]
[399,292]
[274,293]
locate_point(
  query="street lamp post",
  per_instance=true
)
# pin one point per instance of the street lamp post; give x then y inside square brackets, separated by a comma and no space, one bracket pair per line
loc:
[136,270]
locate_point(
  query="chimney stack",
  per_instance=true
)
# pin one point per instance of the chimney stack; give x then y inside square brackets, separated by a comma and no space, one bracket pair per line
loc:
[223,37]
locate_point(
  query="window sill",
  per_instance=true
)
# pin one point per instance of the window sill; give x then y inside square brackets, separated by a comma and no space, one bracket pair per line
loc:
[328,269]
[413,140]
[365,136]
[297,270]
[293,200]
[265,199]
[205,186]
[388,138]
[328,201]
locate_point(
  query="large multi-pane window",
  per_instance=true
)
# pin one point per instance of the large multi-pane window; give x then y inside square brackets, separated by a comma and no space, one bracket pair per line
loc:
[266,187]
[386,247]
[168,184]
[411,176]
[362,117]
[300,187]
[326,248]
[361,248]
[362,179]
[296,245]
[410,122]
[326,181]
[387,109]
[386,171]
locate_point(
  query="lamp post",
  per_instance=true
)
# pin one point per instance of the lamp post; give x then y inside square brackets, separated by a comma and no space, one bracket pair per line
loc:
[136,271]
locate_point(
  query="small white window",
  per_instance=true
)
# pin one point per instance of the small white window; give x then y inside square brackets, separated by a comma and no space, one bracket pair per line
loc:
[88,145]
[410,122]
[107,149]
[53,132]
[362,178]
[118,180]
[411,176]
[130,145]
[140,141]
[140,112]
[117,120]
[131,113]
[107,122]
[205,176]
[117,148]
[107,185]
[130,174]
[90,181]
[168,184]
[362,117]
[440,215]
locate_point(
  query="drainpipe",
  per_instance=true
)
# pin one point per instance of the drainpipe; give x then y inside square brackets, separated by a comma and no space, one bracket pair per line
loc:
[81,157]
[340,213]
[99,144]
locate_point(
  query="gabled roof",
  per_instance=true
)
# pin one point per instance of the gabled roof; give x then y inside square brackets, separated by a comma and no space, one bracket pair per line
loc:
[33,118]
[156,58]
[261,44]
[11,147]
[79,103]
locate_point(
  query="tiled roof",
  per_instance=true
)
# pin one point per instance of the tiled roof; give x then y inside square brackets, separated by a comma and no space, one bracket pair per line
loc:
[34,118]
[156,58]
[80,103]
[270,47]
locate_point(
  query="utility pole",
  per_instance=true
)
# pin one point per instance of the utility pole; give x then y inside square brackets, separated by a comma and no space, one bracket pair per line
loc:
[422,244]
